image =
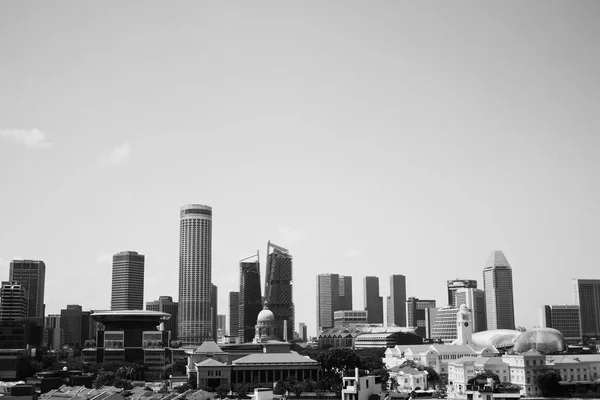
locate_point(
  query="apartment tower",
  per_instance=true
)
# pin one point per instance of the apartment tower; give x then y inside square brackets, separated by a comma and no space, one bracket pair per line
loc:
[250,298]
[498,286]
[195,261]
[31,275]
[278,290]
[127,281]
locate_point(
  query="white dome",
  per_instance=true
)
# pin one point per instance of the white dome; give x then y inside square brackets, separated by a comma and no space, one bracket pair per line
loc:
[265,315]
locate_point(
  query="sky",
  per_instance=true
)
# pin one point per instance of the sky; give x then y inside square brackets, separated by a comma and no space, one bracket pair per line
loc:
[368,138]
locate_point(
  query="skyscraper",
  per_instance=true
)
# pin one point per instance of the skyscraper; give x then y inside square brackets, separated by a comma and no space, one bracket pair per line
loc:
[302,331]
[250,298]
[456,284]
[234,314]
[127,281]
[396,307]
[31,274]
[417,315]
[13,301]
[75,326]
[328,299]
[474,299]
[373,302]
[278,290]
[498,286]
[586,294]
[167,305]
[195,261]
[565,319]
[345,292]
[214,303]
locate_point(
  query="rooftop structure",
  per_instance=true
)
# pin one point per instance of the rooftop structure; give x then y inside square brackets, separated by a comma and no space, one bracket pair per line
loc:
[130,319]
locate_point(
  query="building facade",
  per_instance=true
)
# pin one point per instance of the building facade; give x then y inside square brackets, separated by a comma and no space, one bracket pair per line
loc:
[565,319]
[234,314]
[350,317]
[127,281]
[418,317]
[302,331]
[456,284]
[13,301]
[195,273]
[373,302]
[498,286]
[328,299]
[474,299]
[345,292]
[250,297]
[75,325]
[396,307]
[278,290]
[214,306]
[444,327]
[31,274]
[586,294]
[166,304]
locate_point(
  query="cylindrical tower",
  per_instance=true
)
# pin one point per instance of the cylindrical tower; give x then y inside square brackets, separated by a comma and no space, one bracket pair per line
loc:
[195,278]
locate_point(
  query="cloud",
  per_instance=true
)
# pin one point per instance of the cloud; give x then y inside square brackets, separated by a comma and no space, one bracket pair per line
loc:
[104,259]
[290,235]
[118,154]
[353,253]
[29,137]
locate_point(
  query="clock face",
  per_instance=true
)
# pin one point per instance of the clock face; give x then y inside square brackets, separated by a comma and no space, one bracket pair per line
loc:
[466,324]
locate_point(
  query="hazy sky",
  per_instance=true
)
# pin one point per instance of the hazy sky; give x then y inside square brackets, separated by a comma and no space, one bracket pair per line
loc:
[369,138]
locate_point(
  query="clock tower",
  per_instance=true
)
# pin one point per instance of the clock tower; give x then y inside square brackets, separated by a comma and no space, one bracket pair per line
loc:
[464,326]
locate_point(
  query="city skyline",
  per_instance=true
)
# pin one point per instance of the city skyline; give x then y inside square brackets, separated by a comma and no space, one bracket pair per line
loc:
[455,130]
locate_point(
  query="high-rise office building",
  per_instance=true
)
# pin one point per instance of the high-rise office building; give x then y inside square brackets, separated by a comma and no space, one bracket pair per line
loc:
[278,290]
[328,299]
[195,269]
[13,301]
[302,331]
[167,305]
[563,318]
[234,314]
[214,299]
[345,292]
[498,286]
[373,302]
[31,275]
[417,315]
[474,299]
[75,326]
[456,284]
[586,294]
[396,305]
[250,298]
[127,281]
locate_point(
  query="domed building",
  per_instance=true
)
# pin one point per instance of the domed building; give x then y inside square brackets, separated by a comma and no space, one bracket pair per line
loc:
[265,326]
[499,338]
[544,340]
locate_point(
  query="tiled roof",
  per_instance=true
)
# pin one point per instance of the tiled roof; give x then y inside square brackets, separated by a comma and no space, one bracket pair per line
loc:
[274,358]
[209,346]
[210,362]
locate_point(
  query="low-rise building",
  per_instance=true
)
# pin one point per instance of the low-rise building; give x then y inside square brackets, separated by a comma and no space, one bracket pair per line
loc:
[361,386]
[408,379]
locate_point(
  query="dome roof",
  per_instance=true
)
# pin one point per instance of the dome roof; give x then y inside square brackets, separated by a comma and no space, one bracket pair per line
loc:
[499,338]
[544,340]
[265,315]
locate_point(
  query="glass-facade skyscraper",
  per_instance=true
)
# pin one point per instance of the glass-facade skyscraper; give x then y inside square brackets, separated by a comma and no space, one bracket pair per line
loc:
[498,287]
[195,269]
[373,302]
[328,299]
[396,302]
[127,281]
[278,290]
[586,294]
[234,314]
[250,298]
[31,274]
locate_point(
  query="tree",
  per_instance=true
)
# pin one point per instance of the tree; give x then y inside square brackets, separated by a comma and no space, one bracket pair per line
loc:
[337,360]
[432,376]
[222,391]
[241,389]
[308,385]
[183,388]
[104,378]
[280,388]
[297,388]
[548,379]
